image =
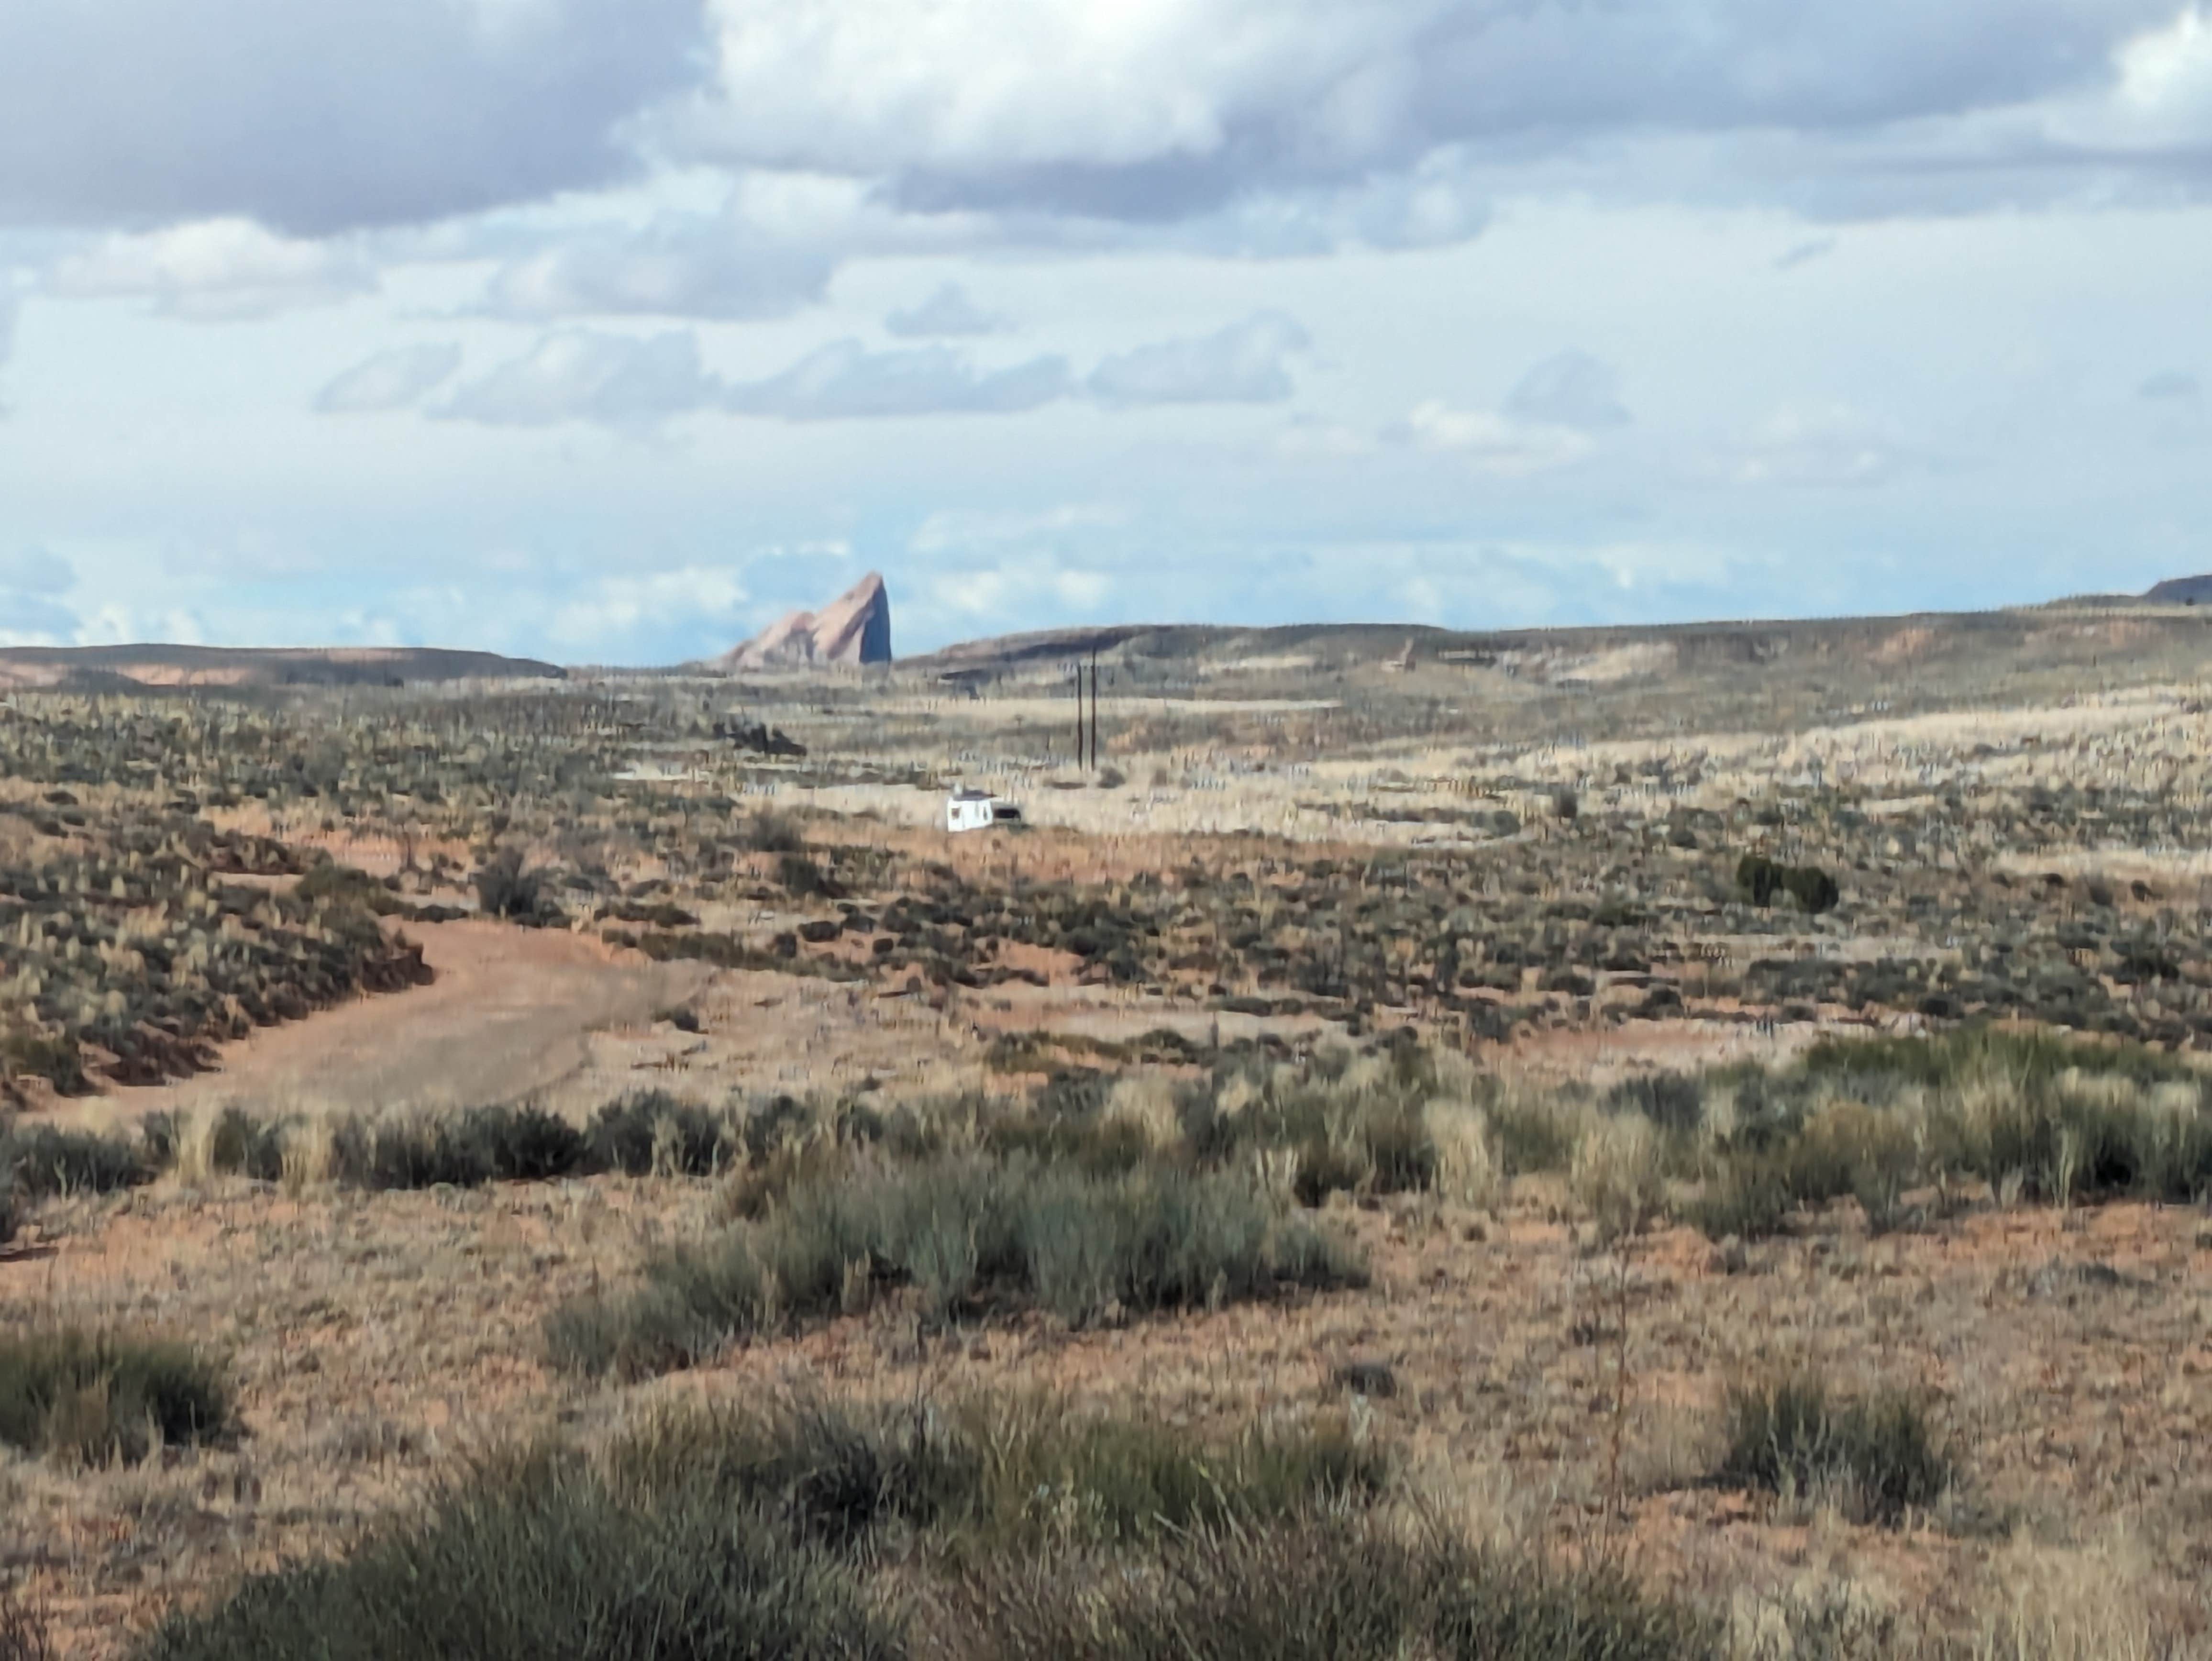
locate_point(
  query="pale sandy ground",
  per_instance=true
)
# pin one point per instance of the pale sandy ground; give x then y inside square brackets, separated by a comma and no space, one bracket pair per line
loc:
[2145,735]
[512,1016]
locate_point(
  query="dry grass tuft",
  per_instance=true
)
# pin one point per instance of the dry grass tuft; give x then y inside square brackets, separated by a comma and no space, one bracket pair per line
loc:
[1467,1169]
[1616,1175]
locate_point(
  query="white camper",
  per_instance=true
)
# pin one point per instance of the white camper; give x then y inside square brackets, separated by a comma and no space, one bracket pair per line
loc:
[978,810]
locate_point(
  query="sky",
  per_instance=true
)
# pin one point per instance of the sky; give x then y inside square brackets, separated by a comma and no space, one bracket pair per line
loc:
[607,331]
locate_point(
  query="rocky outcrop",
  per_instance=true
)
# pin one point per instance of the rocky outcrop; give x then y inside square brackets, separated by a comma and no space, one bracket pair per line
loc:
[856,628]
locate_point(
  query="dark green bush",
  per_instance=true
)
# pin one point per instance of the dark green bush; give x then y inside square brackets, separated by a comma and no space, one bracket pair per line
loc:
[463,1150]
[801,877]
[243,1145]
[962,1232]
[993,1476]
[1750,1199]
[1323,1588]
[97,1397]
[2065,1118]
[770,832]
[526,1144]
[505,890]
[651,1129]
[1673,1101]
[40,1161]
[547,1562]
[1877,1457]
[1762,879]
[2032,1059]
[54,1058]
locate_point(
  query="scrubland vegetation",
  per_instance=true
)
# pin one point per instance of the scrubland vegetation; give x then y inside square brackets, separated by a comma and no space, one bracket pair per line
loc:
[1496,1158]
[92,1398]
[919,1530]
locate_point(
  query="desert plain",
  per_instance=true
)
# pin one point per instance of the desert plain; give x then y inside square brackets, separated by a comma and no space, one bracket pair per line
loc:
[1593,1041]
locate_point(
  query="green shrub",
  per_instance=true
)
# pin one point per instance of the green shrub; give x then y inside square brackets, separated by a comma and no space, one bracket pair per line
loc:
[463,1150]
[2031,1060]
[1750,1199]
[1673,1101]
[97,1397]
[651,1131]
[243,1145]
[2065,1118]
[958,1229]
[1876,1457]
[56,1058]
[801,877]
[505,890]
[992,1476]
[45,1160]
[526,1144]
[546,1562]
[1321,1588]
[1762,879]
[770,832]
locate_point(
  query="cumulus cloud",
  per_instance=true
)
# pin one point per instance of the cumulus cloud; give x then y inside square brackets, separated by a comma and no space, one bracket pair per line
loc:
[581,374]
[1571,389]
[319,118]
[1288,122]
[611,613]
[584,375]
[1243,363]
[1494,443]
[983,596]
[213,270]
[1169,109]
[949,312]
[396,380]
[844,380]
[687,267]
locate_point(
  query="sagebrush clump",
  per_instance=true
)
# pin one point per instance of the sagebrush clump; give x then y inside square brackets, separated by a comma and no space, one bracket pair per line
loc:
[962,1232]
[92,1396]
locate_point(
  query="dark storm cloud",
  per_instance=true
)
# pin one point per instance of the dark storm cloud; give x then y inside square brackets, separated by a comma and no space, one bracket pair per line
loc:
[1175,112]
[325,116]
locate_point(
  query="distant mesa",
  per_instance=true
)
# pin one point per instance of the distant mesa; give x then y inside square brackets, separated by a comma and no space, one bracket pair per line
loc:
[2183,591]
[93,667]
[856,628]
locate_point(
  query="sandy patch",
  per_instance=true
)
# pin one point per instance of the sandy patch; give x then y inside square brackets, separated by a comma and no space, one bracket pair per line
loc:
[510,1016]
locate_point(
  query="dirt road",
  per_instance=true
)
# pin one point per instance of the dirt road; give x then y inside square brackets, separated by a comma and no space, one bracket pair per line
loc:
[510,1015]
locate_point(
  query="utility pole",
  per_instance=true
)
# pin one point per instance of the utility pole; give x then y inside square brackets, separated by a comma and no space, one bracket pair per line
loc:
[1094,711]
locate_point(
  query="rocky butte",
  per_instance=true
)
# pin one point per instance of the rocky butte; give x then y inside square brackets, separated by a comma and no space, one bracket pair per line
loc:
[856,628]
